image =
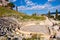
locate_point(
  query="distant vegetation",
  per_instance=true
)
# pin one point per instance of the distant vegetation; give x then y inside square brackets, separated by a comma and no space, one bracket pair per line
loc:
[56,15]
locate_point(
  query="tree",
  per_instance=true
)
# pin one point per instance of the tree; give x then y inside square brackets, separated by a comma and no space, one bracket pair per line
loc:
[56,16]
[16,8]
[49,14]
[34,14]
[11,5]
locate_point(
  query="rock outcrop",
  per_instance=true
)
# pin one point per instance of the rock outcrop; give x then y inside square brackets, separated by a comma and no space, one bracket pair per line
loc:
[7,24]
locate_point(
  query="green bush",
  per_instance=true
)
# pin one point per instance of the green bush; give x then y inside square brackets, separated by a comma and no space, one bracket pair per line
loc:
[58,17]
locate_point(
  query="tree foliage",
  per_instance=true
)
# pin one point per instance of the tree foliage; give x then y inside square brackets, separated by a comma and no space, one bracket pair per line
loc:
[56,16]
[11,5]
[34,14]
[49,14]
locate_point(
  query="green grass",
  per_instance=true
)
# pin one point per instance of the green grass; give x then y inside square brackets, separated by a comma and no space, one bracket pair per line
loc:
[38,17]
[5,12]
[8,12]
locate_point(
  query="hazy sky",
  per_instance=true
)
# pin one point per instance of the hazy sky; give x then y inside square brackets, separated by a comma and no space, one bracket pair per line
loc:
[39,6]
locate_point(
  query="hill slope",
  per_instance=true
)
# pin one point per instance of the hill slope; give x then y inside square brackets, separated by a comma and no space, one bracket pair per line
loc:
[5,12]
[8,12]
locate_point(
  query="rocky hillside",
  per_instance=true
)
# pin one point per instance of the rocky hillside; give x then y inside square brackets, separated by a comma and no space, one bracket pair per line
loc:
[8,24]
[11,19]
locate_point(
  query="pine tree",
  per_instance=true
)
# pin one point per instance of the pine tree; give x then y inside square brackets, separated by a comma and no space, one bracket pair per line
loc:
[56,16]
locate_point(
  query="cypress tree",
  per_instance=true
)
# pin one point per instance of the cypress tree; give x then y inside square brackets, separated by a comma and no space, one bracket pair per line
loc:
[49,14]
[56,16]
[16,8]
